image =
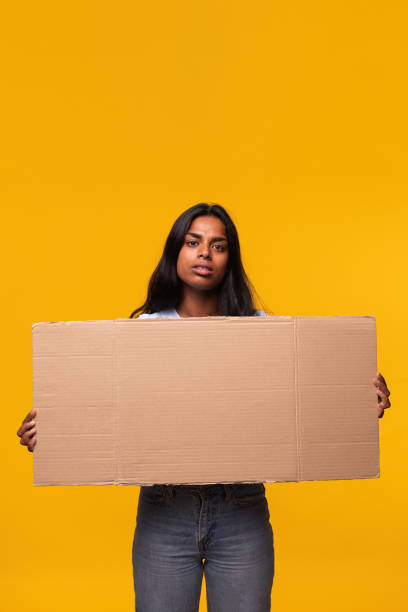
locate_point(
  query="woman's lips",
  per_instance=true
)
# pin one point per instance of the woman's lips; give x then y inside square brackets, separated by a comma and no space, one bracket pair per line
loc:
[202,271]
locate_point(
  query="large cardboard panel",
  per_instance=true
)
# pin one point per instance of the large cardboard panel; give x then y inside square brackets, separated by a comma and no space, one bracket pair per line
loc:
[205,400]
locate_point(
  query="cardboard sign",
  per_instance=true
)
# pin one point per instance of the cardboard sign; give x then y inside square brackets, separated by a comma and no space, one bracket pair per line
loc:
[204,400]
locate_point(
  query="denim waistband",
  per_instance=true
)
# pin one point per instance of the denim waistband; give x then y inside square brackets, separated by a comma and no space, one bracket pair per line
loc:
[170,489]
[197,488]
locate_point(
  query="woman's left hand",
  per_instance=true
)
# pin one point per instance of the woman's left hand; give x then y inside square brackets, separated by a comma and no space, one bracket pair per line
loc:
[383,394]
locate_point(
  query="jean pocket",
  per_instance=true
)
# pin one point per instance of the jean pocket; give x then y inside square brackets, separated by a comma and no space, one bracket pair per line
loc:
[248,494]
[154,494]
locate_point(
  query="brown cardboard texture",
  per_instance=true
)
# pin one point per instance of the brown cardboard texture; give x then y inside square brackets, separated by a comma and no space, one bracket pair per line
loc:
[205,400]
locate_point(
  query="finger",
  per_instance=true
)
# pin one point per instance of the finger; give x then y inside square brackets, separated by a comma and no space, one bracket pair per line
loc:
[383,383]
[25,427]
[27,420]
[31,444]
[378,383]
[380,407]
[30,416]
[27,437]
[382,399]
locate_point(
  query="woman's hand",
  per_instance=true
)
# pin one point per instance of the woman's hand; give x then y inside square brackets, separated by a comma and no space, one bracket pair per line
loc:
[383,394]
[27,431]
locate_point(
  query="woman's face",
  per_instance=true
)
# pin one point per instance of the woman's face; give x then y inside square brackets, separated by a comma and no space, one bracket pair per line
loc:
[202,260]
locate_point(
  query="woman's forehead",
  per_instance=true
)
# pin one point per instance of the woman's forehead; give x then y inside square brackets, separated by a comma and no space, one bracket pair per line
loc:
[208,225]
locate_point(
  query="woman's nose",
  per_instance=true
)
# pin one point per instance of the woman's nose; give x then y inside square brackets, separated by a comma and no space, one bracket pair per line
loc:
[204,252]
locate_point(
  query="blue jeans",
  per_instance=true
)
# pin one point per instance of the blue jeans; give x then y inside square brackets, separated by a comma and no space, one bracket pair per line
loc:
[180,526]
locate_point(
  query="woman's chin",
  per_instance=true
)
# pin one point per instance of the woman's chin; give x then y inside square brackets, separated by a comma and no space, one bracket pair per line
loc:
[200,284]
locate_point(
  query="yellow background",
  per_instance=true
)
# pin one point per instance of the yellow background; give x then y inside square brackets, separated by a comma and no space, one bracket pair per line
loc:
[115,117]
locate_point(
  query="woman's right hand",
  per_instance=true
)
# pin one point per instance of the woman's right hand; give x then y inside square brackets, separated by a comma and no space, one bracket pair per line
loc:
[27,431]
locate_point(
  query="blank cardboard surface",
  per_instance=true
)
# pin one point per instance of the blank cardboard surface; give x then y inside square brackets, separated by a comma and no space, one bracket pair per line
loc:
[204,400]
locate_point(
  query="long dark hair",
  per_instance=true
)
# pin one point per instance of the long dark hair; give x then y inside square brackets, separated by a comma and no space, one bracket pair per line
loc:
[235,292]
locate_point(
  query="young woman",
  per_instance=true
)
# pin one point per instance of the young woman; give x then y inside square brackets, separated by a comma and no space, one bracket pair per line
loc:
[220,530]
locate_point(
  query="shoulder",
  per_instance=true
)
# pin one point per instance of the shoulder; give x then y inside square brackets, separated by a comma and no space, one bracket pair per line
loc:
[172,314]
[168,314]
[260,313]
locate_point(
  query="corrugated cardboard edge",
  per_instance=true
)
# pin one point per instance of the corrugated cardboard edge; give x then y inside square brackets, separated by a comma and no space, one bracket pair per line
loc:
[379,445]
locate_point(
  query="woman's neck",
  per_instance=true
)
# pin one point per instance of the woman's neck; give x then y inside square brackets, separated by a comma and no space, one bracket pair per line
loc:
[197,304]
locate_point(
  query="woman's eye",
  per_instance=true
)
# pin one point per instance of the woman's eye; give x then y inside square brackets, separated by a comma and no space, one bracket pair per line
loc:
[219,247]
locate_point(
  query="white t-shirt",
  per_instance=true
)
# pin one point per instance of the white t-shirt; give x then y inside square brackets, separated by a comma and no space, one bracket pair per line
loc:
[172,313]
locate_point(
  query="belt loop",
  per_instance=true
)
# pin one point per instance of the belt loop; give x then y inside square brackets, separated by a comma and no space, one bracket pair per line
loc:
[228,491]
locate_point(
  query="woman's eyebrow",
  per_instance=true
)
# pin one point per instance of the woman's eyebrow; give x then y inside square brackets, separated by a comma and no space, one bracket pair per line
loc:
[214,239]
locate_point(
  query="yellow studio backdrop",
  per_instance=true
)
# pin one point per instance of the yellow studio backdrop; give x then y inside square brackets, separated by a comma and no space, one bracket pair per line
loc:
[117,117]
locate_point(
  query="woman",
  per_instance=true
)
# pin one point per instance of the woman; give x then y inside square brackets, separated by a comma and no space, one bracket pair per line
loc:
[179,526]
